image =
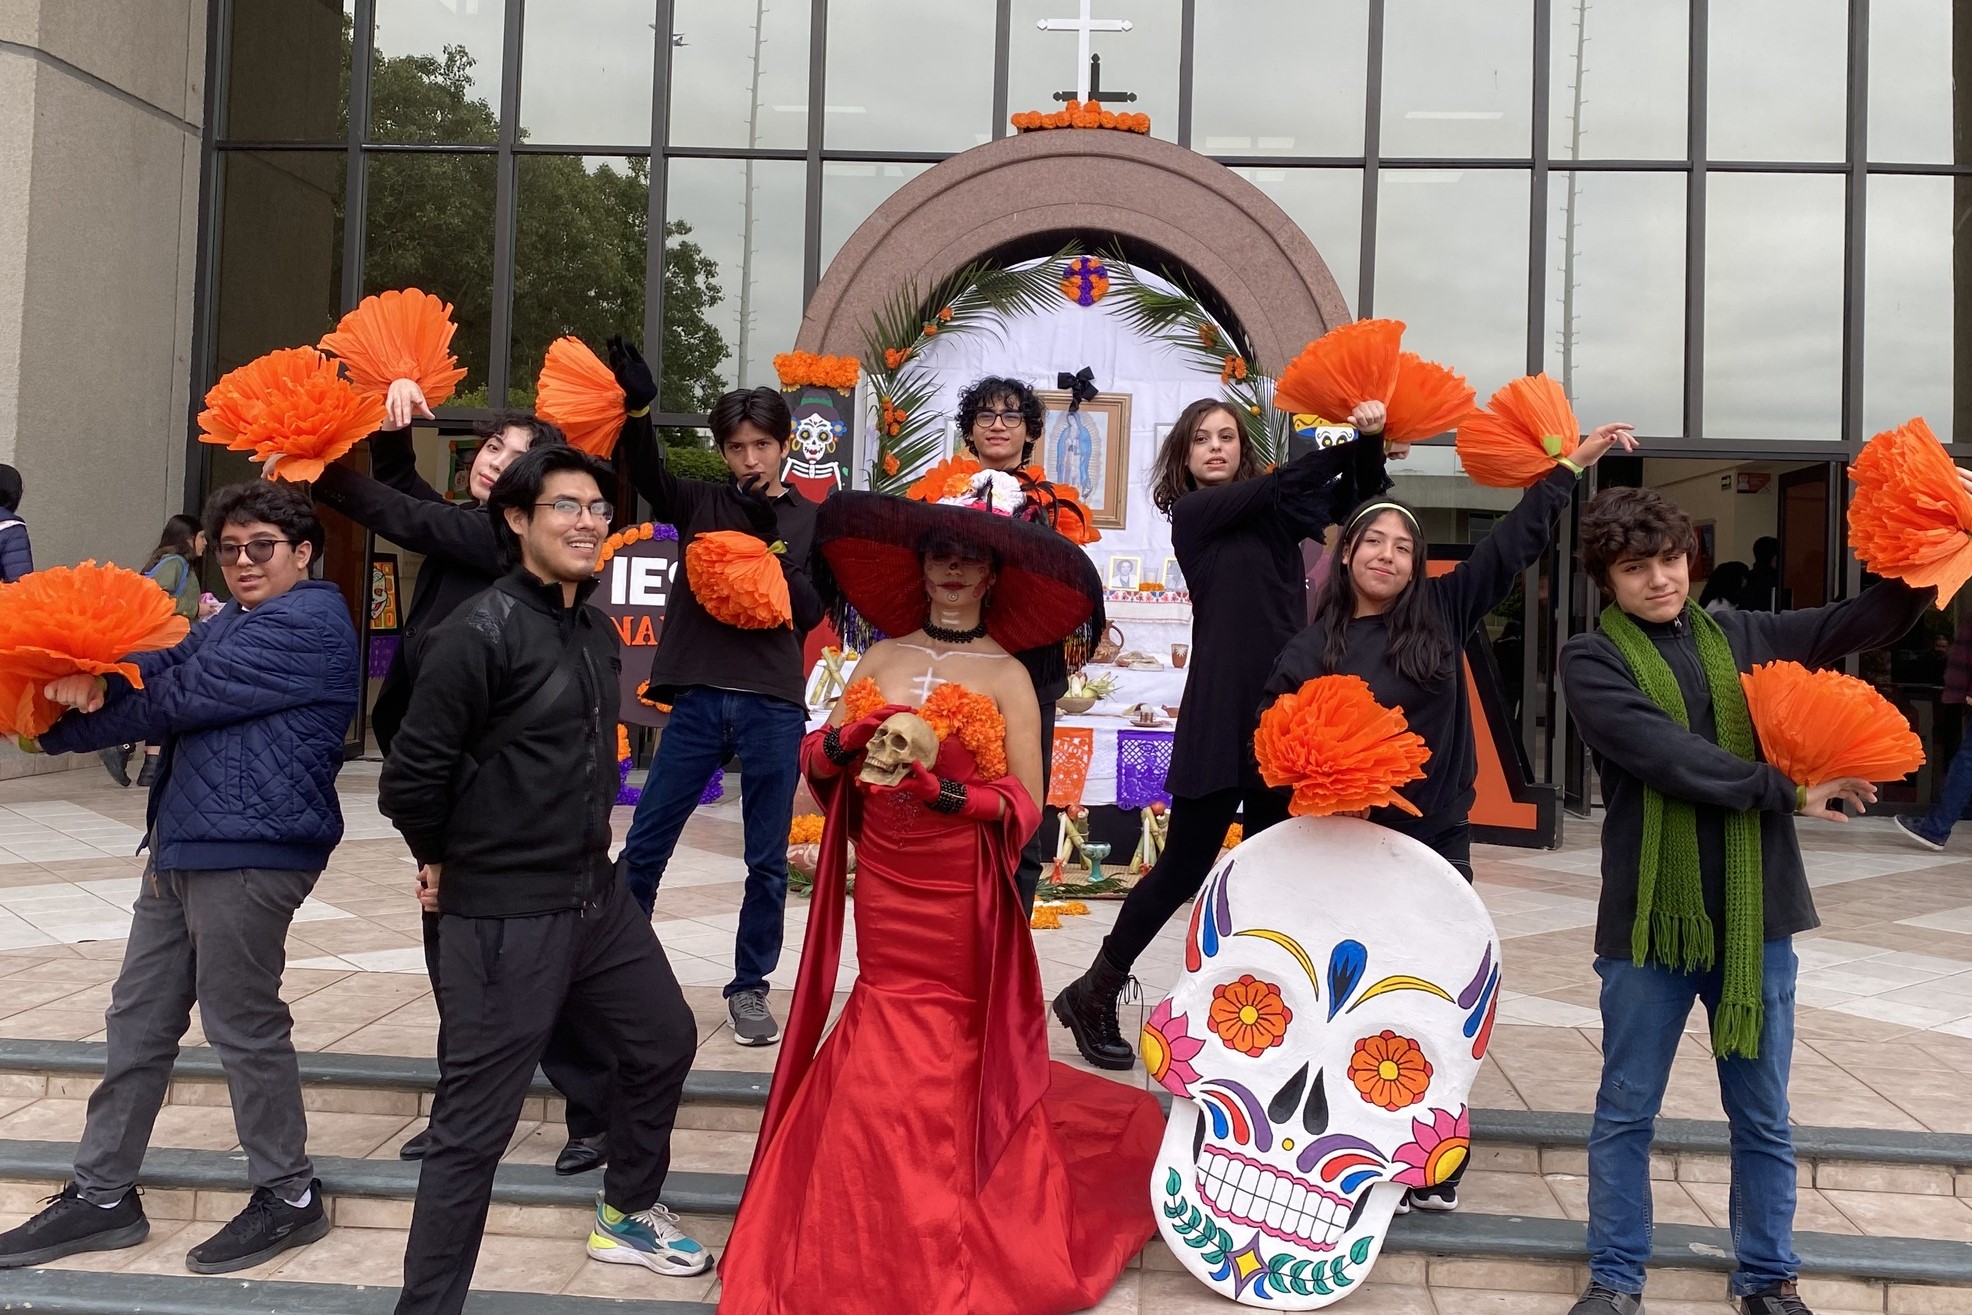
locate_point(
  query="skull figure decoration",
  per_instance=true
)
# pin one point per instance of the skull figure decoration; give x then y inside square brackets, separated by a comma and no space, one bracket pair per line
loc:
[903,739]
[1339,991]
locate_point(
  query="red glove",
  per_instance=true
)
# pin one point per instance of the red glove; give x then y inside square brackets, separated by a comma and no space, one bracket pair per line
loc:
[855,736]
[949,797]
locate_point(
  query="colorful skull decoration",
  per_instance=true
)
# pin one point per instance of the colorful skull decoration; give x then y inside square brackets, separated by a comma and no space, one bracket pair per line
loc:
[1339,991]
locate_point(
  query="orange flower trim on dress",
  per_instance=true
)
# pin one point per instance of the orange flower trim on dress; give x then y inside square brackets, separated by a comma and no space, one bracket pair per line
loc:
[398,335]
[1389,1070]
[1080,114]
[951,709]
[1338,748]
[292,410]
[1911,519]
[948,479]
[1249,1015]
[890,464]
[65,621]
[798,368]
[861,699]
[738,580]
[1817,726]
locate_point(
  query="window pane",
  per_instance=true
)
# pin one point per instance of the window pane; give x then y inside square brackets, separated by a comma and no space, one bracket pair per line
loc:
[280,251]
[586,72]
[1913,109]
[851,192]
[1451,262]
[909,77]
[1258,98]
[1457,77]
[1630,66]
[739,74]
[1143,60]
[1778,79]
[1911,299]
[437,71]
[1615,307]
[1328,206]
[732,283]
[288,70]
[578,256]
[430,226]
[1773,306]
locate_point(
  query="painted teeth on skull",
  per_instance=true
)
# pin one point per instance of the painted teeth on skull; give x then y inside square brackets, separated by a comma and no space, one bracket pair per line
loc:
[1253,1195]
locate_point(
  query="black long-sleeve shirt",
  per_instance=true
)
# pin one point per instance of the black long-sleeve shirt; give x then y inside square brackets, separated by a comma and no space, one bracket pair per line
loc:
[1636,744]
[1439,711]
[693,649]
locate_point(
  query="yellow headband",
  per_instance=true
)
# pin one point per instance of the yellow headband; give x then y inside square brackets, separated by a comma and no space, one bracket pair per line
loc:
[1374,507]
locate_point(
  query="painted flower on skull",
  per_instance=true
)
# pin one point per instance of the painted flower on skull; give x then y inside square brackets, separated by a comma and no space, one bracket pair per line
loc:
[1389,1070]
[1168,1049]
[1249,1015]
[1439,1149]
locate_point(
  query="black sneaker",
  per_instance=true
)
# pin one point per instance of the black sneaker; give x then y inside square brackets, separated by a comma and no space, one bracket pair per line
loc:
[1598,1300]
[753,1022]
[1780,1299]
[70,1225]
[116,761]
[1442,1199]
[267,1227]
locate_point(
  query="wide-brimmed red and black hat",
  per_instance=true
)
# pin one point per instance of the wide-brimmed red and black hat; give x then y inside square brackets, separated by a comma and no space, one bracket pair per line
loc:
[1046,590]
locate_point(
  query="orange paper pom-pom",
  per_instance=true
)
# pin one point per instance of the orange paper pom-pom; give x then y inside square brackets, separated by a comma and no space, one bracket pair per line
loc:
[1429,399]
[292,410]
[948,479]
[69,620]
[738,580]
[1816,726]
[976,720]
[1911,518]
[1338,748]
[398,335]
[576,391]
[1526,428]
[1345,367]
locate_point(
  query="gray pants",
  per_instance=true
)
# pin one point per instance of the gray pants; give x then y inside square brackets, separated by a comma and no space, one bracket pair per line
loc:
[218,938]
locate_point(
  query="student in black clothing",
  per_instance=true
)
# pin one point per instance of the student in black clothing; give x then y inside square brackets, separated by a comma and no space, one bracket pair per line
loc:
[1237,533]
[501,779]
[461,558]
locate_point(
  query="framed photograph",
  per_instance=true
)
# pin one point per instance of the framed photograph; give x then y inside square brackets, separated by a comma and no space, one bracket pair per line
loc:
[1708,550]
[1125,572]
[1174,575]
[459,454]
[1090,452]
[385,614]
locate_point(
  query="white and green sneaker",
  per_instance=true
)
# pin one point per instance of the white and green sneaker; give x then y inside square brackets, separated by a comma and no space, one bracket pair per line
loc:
[650,1238]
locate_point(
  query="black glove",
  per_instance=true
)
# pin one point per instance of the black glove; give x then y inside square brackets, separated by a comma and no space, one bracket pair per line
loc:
[627,364]
[758,510]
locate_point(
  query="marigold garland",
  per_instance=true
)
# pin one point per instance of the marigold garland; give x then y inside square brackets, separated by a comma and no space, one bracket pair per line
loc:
[976,720]
[798,368]
[628,535]
[63,621]
[738,580]
[396,335]
[1525,428]
[576,391]
[1080,114]
[292,410]
[1911,518]
[1816,726]
[1338,748]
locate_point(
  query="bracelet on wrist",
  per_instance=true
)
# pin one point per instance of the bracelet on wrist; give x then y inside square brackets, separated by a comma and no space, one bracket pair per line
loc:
[832,747]
[1800,798]
[951,797]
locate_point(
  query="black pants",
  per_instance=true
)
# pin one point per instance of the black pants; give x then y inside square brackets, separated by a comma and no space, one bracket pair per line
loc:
[1027,877]
[1197,833]
[505,983]
[583,1079]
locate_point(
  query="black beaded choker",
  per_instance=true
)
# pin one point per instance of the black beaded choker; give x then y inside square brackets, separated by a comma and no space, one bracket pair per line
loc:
[944,636]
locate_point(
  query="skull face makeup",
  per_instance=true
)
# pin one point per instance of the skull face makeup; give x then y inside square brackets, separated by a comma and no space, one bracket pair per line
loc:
[903,739]
[1339,991]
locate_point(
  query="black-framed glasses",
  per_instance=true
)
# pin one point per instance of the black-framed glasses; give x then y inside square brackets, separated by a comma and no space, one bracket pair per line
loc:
[1011,419]
[257,551]
[570,508]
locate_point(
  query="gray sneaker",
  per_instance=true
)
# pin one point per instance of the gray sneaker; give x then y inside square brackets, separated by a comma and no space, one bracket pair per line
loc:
[753,1022]
[1598,1300]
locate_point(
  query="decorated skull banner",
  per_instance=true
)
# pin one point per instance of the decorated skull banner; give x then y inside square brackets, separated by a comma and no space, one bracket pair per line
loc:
[1339,991]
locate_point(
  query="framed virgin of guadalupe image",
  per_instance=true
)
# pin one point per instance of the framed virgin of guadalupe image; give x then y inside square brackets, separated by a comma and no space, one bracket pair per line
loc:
[1089,451]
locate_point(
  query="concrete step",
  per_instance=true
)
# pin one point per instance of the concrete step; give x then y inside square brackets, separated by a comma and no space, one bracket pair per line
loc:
[68,1292]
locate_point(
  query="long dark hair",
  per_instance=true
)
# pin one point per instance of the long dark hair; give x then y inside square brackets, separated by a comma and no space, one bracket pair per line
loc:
[180,538]
[1419,646]
[1171,477]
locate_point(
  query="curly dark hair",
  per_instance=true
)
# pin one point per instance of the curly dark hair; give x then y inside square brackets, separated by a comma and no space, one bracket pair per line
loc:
[280,503]
[982,393]
[1623,524]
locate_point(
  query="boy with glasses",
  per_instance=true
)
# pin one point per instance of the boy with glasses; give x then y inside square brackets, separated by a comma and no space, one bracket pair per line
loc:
[250,709]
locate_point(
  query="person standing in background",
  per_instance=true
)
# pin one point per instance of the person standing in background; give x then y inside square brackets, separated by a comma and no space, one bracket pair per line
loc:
[173,564]
[16,556]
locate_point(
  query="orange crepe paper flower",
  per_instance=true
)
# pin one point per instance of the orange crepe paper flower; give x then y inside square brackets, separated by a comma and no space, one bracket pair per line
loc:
[1911,519]
[1429,399]
[1338,748]
[1249,1015]
[1345,367]
[1525,428]
[948,479]
[738,580]
[976,720]
[1816,726]
[68,620]
[576,391]
[292,410]
[1390,1070]
[798,368]
[861,699]
[398,335]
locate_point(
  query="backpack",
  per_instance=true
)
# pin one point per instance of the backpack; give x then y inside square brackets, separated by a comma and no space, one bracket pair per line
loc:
[185,592]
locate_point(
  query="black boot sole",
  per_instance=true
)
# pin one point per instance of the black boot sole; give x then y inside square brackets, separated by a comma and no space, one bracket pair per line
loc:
[301,1237]
[1066,1017]
[116,1239]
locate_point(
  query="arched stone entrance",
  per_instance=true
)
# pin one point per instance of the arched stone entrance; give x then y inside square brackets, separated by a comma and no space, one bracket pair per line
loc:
[1021,196]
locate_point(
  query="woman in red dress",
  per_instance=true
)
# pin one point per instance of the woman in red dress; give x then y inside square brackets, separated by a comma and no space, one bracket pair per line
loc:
[928,1157]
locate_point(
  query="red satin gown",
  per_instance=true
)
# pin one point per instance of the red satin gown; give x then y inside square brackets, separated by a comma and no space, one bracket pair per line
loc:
[929,1159]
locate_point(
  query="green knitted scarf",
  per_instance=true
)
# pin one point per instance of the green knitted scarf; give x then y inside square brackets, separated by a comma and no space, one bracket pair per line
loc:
[1672,929]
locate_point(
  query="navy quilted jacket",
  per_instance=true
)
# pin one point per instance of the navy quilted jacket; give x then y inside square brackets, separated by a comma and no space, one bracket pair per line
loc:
[251,710]
[16,557]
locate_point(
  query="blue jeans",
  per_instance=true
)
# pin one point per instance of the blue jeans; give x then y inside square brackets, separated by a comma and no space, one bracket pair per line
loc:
[1643,1014]
[707,727]
[1935,826]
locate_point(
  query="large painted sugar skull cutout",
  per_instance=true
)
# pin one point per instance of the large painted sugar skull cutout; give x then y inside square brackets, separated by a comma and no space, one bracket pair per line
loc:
[1339,991]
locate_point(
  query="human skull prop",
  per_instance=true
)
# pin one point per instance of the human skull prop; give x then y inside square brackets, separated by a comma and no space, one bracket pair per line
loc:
[903,739]
[1339,992]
